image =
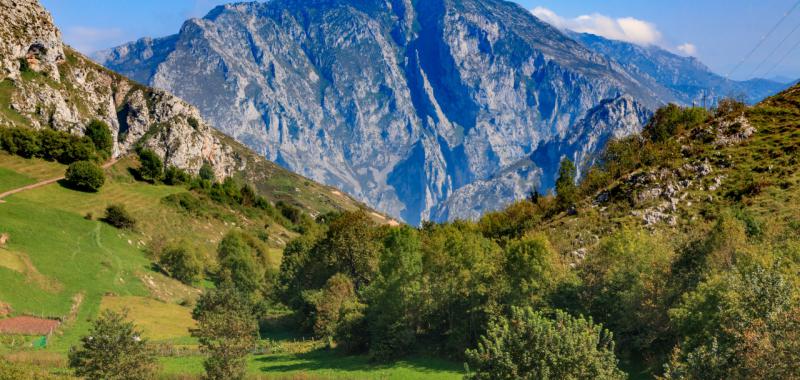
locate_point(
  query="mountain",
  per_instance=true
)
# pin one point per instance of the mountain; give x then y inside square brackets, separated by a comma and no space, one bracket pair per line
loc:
[425,110]
[399,103]
[45,84]
[688,80]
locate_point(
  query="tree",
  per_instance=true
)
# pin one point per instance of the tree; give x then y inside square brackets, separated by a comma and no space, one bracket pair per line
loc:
[113,349]
[566,190]
[338,313]
[532,270]
[625,286]
[85,175]
[175,176]
[151,169]
[672,120]
[64,147]
[181,263]
[20,141]
[743,324]
[101,137]
[350,247]
[527,345]
[238,264]
[207,172]
[394,297]
[226,330]
[118,216]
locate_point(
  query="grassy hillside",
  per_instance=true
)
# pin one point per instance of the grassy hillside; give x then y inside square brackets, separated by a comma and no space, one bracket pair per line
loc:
[59,263]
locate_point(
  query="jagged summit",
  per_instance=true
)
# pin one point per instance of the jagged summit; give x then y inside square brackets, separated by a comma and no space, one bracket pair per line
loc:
[404,104]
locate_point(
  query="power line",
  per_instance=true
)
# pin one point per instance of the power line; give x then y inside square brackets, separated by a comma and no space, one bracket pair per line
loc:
[780,44]
[778,63]
[763,39]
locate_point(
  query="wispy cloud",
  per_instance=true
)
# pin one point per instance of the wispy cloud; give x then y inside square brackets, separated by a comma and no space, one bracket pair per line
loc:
[626,29]
[89,39]
[688,49]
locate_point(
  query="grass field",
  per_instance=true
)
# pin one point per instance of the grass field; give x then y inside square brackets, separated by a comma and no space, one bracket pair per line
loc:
[325,364]
[58,263]
[159,321]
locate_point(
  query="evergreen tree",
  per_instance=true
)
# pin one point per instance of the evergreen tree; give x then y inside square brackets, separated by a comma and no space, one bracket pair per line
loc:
[529,346]
[566,189]
[114,349]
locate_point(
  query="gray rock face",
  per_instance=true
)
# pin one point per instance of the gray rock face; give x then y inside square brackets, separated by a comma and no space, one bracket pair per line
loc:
[27,34]
[687,79]
[435,109]
[64,90]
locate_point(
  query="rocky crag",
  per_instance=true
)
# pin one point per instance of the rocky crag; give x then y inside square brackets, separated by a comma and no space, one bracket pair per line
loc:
[45,84]
[436,109]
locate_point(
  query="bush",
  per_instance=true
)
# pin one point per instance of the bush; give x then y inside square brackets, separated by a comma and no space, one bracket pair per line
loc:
[730,108]
[85,175]
[672,120]
[117,216]
[21,141]
[181,263]
[530,346]
[151,169]
[113,349]
[100,135]
[207,172]
[64,147]
[174,176]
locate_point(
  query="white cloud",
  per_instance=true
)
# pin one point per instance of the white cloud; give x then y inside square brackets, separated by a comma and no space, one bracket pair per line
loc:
[626,29]
[688,49]
[89,40]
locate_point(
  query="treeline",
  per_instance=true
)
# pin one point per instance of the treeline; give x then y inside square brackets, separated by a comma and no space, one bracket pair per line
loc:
[717,305]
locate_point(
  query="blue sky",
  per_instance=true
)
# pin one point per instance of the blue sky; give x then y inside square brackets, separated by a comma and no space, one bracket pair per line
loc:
[718,32]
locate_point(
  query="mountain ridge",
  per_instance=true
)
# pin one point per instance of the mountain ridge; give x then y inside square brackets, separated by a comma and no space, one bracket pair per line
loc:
[408,101]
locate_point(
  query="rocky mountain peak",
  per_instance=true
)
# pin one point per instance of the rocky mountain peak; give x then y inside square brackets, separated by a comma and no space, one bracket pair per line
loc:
[403,104]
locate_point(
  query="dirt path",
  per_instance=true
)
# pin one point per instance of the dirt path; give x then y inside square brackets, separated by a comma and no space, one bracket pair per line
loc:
[45,182]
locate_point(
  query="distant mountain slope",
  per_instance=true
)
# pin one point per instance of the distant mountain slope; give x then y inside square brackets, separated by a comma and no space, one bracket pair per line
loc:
[46,84]
[400,103]
[688,79]
[404,104]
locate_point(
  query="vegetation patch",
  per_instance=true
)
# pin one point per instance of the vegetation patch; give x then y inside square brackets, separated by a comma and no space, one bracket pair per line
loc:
[158,320]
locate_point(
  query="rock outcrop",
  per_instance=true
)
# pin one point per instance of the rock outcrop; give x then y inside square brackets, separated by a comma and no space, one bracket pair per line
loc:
[45,84]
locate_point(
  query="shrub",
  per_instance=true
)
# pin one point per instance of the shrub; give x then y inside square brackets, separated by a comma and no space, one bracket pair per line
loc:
[207,172]
[117,216]
[100,135]
[151,169]
[113,349]
[730,108]
[21,141]
[181,263]
[530,346]
[672,120]
[175,176]
[85,175]
[64,147]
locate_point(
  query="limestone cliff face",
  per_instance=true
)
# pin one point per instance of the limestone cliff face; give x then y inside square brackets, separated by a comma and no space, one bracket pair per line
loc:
[54,86]
[45,84]
[398,102]
[28,37]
